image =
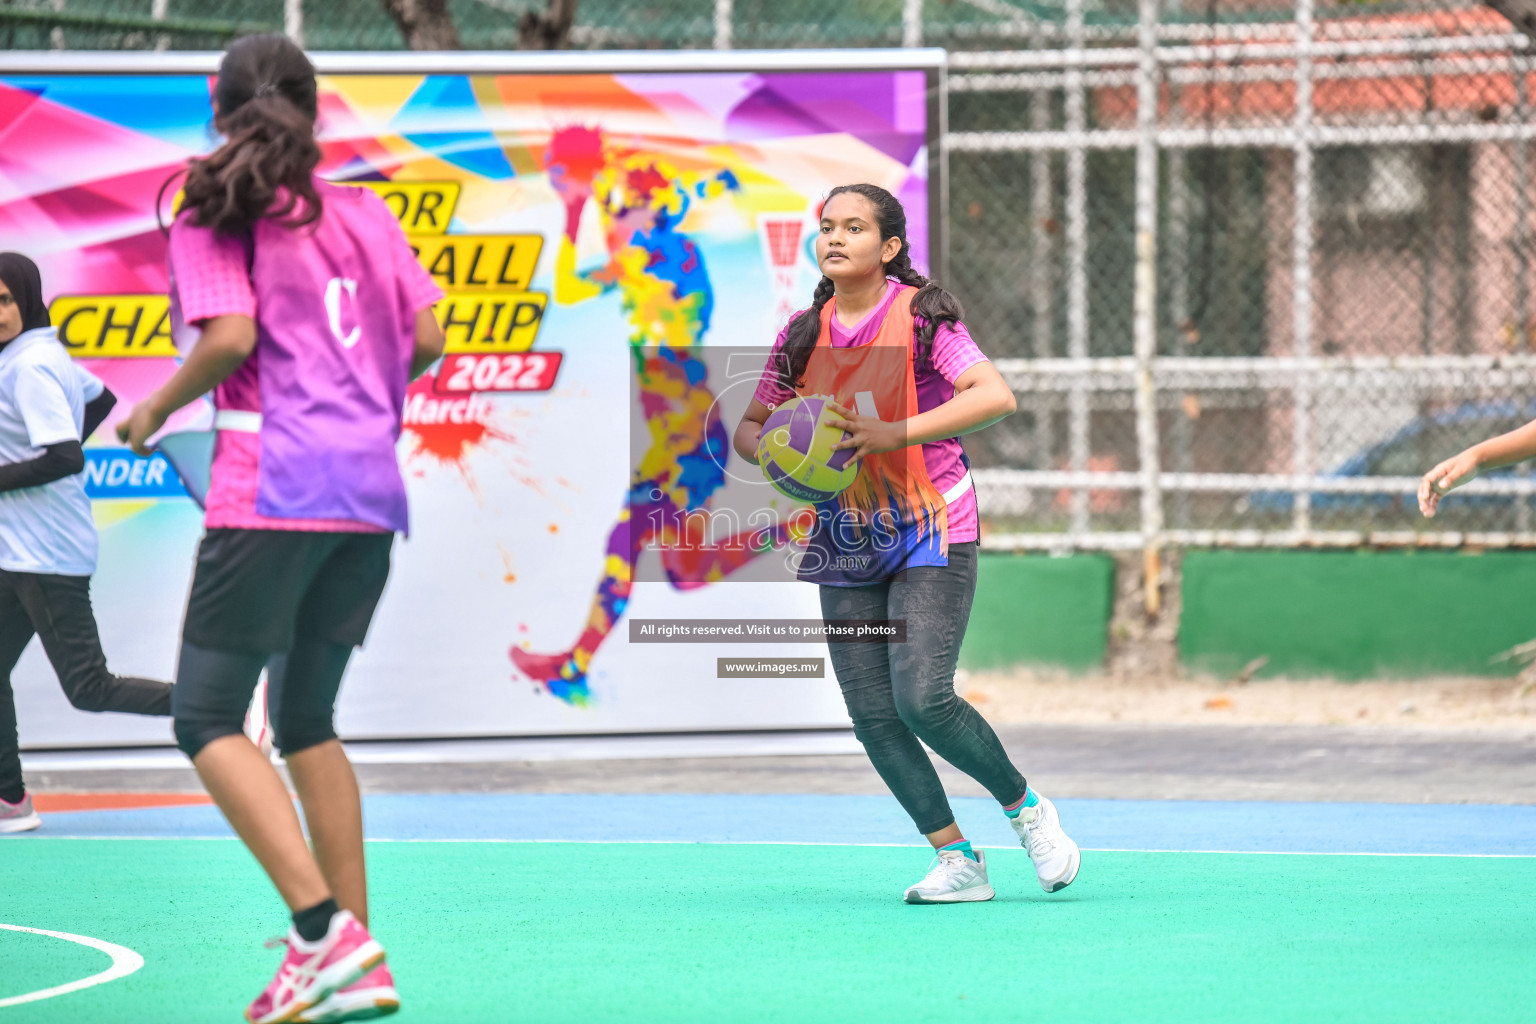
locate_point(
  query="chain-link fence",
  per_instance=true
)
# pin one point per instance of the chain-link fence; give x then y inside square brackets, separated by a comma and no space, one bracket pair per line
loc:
[1252,265]
[479,24]
[973,25]
[1261,274]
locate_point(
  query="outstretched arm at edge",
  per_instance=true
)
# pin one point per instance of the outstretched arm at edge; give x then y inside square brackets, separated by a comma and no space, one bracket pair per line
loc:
[1506,449]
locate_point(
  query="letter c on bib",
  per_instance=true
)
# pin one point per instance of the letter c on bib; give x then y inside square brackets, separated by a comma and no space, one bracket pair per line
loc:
[333,289]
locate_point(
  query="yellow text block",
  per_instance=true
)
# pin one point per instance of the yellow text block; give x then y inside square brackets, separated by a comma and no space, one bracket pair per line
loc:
[104,326]
[491,321]
[421,207]
[491,262]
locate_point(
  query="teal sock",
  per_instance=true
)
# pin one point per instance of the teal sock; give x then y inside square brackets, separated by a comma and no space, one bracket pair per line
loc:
[964,846]
[1029,799]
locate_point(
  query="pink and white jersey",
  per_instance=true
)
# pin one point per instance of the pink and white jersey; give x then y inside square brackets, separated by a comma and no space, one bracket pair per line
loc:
[335,307]
[953,353]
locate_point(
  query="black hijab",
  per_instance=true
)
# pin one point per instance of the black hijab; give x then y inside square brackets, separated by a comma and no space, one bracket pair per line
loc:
[26,284]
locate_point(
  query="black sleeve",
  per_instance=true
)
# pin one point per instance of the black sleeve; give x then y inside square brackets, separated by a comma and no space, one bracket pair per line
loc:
[57,462]
[96,410]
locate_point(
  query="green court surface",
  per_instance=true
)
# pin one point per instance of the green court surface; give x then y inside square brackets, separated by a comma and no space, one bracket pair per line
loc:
[494,931]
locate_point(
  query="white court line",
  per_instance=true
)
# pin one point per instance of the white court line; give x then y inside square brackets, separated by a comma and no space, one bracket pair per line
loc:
[792,842]
[124,962]
[1325,853]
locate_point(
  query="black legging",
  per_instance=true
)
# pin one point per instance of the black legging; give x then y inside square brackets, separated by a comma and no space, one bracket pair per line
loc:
[58,610]
[898,694]
[214,690]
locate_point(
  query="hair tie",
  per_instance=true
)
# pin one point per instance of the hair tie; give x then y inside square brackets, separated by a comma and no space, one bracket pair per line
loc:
[265,89]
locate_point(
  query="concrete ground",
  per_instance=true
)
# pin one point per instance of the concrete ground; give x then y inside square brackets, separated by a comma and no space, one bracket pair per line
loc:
[1118,760]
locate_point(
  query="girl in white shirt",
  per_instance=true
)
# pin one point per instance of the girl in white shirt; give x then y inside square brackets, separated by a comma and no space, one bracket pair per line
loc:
[48,405]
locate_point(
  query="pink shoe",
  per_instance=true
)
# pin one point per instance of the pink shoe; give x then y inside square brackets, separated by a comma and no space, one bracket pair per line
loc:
[18,817]
[372,995]
[313,970]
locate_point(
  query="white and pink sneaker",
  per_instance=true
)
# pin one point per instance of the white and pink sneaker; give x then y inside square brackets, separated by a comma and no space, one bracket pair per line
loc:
[258,723]
[372,995]
[313,970]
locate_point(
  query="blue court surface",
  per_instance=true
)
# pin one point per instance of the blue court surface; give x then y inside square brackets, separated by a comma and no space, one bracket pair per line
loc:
[1154,826]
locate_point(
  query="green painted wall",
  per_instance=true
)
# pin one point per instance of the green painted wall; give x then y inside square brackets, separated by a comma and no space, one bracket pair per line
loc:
[1034,609]
[1354,614]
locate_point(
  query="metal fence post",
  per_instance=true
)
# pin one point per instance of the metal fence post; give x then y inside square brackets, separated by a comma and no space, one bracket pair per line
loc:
[1042,261]
[1183,430]
[159,10]
[1144,330]
[293,20]
[1522,241]
[1178,287]
[723,14]
[942,239]
[912,23]
[1078,418]
[1301,265]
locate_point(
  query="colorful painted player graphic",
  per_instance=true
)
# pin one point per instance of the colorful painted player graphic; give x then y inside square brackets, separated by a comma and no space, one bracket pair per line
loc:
[660,275]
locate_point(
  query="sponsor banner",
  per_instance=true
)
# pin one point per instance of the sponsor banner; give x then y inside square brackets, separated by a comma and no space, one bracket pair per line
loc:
[530,371]
[114,326]
[119,473]
[583,228]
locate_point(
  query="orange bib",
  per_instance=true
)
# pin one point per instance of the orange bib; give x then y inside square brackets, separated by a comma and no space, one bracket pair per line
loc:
[892,517]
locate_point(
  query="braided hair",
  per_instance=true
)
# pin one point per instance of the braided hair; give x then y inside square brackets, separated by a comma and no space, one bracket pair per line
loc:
[932,306]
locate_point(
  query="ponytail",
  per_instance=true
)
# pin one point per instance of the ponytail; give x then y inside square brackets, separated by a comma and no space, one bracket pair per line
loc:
[267,105]
[932,306]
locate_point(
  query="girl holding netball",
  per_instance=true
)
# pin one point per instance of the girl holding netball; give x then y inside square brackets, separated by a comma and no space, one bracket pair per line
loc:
[314,317]
[900,543]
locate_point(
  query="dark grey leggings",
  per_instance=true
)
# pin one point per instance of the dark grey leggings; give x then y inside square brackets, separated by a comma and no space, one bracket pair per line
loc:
[58,610]
[898,694]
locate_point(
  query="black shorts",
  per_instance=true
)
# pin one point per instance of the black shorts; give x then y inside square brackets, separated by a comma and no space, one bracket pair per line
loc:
[255,590]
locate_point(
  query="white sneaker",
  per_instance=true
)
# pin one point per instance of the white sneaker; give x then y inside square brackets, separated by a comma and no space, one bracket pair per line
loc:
[1056,857]
[953,878]
[18,817]
[258,725]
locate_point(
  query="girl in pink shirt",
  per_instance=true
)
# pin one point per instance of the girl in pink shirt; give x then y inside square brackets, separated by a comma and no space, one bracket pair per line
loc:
[899,545]
[314,317]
